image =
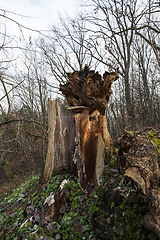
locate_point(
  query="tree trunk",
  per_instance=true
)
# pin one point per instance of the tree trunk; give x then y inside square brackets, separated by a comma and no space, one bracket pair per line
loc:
[78,137]
[138,159]
[92,138]
[61,143]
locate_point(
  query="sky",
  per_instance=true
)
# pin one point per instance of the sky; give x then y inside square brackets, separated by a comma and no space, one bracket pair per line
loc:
[33,14]
[41,14]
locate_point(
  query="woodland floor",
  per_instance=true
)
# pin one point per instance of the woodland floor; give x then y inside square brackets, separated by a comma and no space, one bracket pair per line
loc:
[7,186]
[91,215]
[19,172]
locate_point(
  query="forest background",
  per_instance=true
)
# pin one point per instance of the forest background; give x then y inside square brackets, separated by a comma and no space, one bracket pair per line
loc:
[105,35]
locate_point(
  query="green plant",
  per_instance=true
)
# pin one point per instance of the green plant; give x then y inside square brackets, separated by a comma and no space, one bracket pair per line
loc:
[154,137]
[130,132]
[128,224]
[81,208]
[113,160]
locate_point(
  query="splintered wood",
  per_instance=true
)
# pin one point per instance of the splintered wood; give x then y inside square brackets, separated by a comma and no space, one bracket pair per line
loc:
[87,88]
[61,144]
[88,95]
[79,137]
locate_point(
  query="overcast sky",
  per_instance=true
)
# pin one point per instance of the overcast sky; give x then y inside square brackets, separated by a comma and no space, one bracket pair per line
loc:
[43,13]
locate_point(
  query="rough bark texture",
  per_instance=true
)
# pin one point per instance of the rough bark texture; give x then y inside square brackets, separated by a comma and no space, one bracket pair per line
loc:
[138,158]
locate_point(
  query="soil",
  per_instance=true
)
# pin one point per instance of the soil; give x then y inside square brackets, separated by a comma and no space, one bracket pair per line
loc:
[17,177]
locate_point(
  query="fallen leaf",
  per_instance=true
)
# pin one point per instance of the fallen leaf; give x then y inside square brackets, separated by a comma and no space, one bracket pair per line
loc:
[36,236]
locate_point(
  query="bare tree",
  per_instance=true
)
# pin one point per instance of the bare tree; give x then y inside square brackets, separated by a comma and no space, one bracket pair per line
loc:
[111,17]
[151,24]
[64,50]
[115,26]
[20,124]
[145,82]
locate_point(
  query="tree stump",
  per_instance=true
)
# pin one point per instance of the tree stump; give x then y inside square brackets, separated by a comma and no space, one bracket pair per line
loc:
[88,95]
[83,142]
[61,142]
[87,88]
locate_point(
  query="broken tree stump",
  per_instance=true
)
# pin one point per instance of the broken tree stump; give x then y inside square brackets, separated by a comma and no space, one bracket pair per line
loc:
[87,88]
[82,139]
[138,159]
[88,95]
[61,142]
[92,138]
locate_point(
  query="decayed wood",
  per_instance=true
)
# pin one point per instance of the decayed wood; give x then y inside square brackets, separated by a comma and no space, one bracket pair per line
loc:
[88,94]
[47,172]
[61,143]
[82,144]
[138,158]
[87,88]
[92,139]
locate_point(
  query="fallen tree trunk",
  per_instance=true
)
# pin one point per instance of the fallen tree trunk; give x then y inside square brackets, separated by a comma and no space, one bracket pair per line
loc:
[138,160]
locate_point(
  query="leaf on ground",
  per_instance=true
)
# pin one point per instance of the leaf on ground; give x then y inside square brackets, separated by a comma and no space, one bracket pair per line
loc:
[36,236]
[36,217]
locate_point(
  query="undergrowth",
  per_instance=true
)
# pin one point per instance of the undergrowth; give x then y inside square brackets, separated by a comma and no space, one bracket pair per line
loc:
[87,214]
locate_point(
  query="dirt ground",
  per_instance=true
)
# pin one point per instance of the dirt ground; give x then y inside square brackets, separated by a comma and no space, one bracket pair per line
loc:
[7,186]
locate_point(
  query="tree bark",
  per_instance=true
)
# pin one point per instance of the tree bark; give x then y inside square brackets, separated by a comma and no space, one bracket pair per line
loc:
[138,159]
[60,141]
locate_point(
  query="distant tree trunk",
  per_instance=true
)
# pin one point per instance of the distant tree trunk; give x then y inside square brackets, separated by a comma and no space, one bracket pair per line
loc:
[79,142]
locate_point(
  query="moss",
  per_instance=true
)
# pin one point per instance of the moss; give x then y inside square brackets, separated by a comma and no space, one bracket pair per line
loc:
[154,136]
